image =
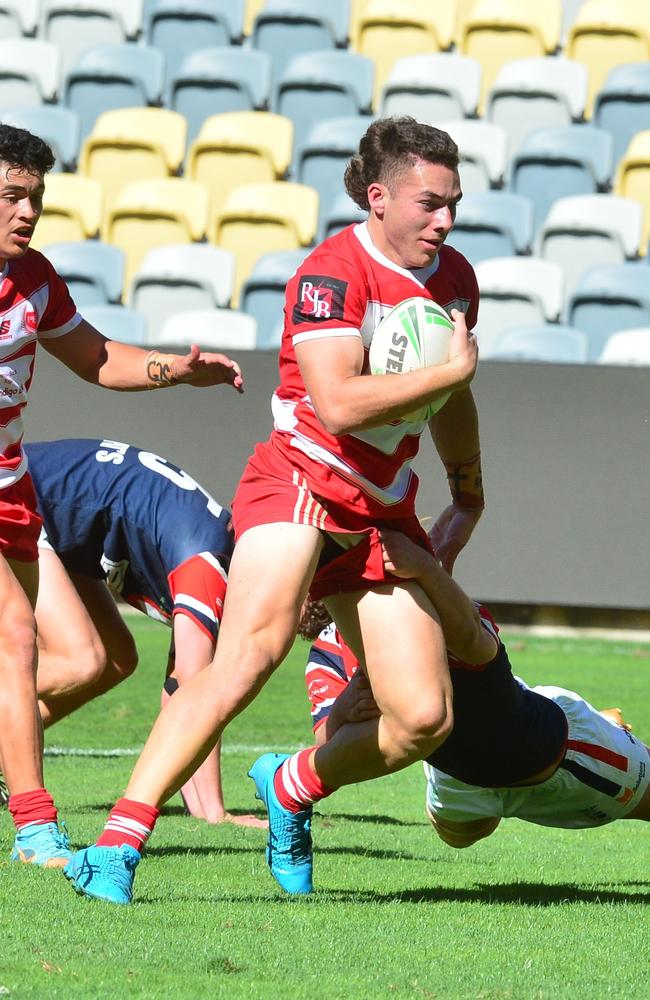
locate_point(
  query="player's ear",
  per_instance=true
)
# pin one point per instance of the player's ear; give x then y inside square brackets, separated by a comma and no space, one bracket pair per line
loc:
[377,197]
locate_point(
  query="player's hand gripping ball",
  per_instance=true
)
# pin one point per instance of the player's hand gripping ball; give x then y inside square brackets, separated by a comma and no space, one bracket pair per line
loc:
[414,334]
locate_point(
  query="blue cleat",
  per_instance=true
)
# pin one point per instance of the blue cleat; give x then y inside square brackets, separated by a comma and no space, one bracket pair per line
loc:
[289,850]
[42,844]
[104,872]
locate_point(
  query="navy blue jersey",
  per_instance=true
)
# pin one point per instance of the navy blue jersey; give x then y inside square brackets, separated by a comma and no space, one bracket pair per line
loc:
[503,732]
[115,512]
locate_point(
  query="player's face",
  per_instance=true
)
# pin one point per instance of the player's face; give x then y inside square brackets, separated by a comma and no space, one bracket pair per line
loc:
[410,220]
[21,204]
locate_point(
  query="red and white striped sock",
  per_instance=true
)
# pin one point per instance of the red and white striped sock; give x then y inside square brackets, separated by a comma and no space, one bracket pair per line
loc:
[36,806]
[296,783]
[129,822]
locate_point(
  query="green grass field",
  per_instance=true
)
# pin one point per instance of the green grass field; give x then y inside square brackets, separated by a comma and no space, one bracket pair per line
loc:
[529,913]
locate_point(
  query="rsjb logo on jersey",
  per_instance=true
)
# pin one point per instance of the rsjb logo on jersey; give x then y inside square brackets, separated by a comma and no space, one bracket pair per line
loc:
[320,298]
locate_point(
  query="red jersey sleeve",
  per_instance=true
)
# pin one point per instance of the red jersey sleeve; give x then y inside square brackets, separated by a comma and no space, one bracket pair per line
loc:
[60,315]
[327,296]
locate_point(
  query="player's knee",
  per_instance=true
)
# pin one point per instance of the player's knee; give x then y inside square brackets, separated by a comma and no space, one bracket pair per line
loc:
[18,639]
[127,659]
[463,835]
[427,725]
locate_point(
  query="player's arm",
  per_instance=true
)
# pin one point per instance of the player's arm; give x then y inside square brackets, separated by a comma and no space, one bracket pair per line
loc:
[347,401]
[455,433]
[464,634]
[115,365]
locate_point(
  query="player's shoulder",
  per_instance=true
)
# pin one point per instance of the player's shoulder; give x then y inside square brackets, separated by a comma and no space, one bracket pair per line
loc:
[454,261]
[32,265]
[339,251]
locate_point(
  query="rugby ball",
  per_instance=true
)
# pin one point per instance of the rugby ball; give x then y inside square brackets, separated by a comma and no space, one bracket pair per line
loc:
[414,334]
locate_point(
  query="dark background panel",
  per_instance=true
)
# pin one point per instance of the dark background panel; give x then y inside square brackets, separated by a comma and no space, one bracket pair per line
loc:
[566,466]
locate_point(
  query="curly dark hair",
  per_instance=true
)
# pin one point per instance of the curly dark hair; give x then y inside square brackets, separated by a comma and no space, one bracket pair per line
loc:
[25,151]
[390,146]
[313,619]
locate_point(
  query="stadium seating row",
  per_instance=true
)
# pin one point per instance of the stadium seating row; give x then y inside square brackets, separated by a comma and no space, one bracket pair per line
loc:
[598,33]
[516,293]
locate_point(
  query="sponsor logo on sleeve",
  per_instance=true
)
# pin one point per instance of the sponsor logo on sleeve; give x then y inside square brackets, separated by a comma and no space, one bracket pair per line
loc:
[30,320]
[320,298]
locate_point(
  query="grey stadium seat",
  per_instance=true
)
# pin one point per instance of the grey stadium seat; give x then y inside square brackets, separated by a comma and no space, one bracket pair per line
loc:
[93,271]
[609,299]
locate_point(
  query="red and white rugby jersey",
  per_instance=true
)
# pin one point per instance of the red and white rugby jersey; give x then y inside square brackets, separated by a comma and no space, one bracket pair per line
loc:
[343,289]
[35,304]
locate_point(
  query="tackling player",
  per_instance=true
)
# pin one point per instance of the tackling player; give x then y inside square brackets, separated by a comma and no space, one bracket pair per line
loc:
[123,522]
[544,755]
[308,508]
[35,307]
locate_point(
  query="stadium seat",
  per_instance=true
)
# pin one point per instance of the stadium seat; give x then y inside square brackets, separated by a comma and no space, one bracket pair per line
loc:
[622,105]
[496,32]
[180,278]
[482,148]
[608,33]
[263,218]
[60,127]
[321,85]
[386,31]
[492,224]
[240,147]
[132,144]
[516,291]
[216,80]
[108,77]
[341,212]
[590,229]
[554,163]
[153,213]
[530,94]
[633,176]
[77,25]
[628,347]
[93,271]
[549,342]
[324,155]
[212,329]
[284,27]
[433,86]
[72,210]
[180,27]
[609,299]
[30,72]
[263,291]
[19,17]
[117,323]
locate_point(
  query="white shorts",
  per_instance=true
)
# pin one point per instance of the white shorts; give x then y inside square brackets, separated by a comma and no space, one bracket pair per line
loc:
[603,777]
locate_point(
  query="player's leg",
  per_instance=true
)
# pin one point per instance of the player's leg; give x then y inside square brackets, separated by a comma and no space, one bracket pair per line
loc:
[460,835]
[38,840]
[396,627]
[270,572]
[85,648]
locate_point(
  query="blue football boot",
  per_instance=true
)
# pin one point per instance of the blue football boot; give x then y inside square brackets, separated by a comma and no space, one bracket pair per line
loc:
[104,872]
[42,844]
[289,850]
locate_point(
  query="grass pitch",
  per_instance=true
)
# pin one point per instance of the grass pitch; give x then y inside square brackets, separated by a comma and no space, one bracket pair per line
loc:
[529,913]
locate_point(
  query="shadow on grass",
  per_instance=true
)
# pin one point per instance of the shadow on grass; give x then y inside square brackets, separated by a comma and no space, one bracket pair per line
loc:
[214,850]
[521,893]
[356,818]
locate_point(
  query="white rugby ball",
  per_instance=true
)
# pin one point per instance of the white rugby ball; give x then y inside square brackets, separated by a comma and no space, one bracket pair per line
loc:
[414,334]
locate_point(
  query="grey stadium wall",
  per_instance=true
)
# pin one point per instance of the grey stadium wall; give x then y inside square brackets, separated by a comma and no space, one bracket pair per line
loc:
[566,458]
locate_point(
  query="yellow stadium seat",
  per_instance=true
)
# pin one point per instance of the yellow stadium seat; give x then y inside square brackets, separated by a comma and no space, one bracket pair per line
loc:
[147,214]
[386,31]
[607,33]
[131,144]
[497,31]
[262,218]
[251,10]
[72,210]
[633,178]
[240,147]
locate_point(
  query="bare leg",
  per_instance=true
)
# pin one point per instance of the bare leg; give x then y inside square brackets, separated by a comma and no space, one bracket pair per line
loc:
[21,735]
[85,648]
[270,573]
[406,663]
